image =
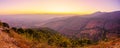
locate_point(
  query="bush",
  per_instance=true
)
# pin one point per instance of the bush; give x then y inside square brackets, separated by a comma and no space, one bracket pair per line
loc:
[30,31]
[14,28]
[20,30]
[51,41]
[5,25]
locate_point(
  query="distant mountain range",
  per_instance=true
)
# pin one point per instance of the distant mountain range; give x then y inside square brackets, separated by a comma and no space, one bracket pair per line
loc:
[94,26]
[27,20]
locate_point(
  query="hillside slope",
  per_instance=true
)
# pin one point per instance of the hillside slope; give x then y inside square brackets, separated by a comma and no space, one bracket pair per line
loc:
[14,41]
[48,38]
[94,26]
[112,43]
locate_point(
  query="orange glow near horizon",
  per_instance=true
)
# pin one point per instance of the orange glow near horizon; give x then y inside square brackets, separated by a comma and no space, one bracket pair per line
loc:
[56,6]
[51,9]
[49,12]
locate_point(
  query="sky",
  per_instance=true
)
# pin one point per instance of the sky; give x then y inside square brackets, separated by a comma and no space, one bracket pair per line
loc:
[57,6]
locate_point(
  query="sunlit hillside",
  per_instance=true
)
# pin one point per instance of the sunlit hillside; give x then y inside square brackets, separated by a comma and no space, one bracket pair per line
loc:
[47,38]
[59,23]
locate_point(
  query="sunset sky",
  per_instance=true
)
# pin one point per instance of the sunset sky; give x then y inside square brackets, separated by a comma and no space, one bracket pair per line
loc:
[57,6]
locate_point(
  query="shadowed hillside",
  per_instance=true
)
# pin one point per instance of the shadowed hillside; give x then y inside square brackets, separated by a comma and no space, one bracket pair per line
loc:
[95,26]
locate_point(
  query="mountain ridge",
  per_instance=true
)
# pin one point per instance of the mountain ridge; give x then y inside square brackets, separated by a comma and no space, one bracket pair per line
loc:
[73,25]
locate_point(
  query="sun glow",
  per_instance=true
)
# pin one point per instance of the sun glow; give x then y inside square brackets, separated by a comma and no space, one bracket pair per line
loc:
[56,6]
[53,9]
[45,8]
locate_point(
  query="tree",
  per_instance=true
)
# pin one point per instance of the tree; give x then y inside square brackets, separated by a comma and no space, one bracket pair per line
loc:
[51,41]
[63,44]
[0,24]
[30,31]
[20,30]
[5,25]
[14,28]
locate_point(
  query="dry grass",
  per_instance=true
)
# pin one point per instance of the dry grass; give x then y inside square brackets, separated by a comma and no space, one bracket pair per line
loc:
[23,42]
[14,40]
[112,43]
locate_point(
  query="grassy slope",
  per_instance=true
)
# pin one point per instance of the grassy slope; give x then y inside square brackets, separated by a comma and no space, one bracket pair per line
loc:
[16,40]
[47,38]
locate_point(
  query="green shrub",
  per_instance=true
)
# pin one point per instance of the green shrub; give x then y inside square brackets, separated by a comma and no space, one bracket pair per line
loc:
[20,30]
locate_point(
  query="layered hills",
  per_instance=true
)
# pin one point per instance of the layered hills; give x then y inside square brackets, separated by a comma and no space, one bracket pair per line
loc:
[94,26]
[97,30]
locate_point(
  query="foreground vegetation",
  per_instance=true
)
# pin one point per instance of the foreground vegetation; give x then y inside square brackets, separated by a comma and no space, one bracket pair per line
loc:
[45,37]
[50,37]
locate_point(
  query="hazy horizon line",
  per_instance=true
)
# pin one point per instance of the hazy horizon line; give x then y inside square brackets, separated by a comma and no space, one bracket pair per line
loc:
[56,13]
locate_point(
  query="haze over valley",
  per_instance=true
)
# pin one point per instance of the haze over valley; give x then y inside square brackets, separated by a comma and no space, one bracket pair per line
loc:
[59,24]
